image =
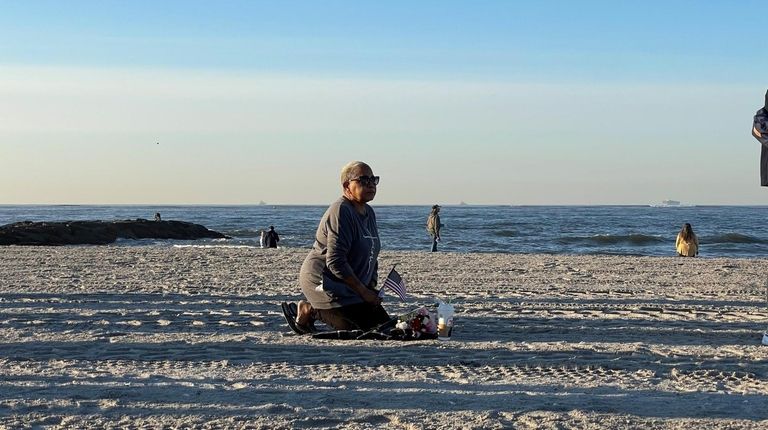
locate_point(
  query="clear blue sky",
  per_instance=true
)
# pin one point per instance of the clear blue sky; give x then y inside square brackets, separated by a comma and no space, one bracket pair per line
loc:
[546,102]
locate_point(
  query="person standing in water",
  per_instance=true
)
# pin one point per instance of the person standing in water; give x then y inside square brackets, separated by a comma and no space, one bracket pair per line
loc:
[687,244]
[271,238]
[433,226]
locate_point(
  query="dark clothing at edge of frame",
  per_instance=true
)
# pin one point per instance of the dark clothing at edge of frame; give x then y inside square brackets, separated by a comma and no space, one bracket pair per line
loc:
[760,132]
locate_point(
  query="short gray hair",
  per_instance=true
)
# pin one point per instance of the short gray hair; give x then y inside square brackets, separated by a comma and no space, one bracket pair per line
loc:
[349,168]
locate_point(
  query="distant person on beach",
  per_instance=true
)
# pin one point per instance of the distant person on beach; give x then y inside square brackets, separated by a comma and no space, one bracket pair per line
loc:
[262,235]
[157,216]
[339,276]
[271,238]
[433,226]
[687,244]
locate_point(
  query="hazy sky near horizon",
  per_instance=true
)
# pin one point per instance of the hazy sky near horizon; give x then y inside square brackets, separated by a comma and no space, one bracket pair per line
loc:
[494,102]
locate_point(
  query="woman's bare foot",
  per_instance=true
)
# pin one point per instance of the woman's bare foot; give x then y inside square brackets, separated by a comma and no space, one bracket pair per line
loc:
[306,314]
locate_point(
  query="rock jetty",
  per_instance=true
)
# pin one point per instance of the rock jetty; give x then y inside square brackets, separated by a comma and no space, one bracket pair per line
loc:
[100,232]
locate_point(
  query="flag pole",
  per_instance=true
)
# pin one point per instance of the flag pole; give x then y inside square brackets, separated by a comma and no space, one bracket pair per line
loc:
[393,268]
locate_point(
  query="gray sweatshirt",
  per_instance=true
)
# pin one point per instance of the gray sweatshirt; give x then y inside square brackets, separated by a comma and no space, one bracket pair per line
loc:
[346,243]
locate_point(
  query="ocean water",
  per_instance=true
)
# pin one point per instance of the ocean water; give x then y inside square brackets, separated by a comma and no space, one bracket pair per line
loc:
[724,231]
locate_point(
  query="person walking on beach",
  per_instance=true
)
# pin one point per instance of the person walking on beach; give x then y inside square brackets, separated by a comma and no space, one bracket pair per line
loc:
[687,244]
[340,273]
[271,238]
[433,226]
[262,235]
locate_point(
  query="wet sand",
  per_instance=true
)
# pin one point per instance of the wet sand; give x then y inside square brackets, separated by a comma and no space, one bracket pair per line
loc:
[153,337]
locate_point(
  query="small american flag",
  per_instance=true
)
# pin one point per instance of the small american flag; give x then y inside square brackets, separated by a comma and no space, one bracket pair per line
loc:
[395,283]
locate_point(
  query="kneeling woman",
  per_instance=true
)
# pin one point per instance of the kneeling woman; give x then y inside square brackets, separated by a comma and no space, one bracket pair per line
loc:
[339,276]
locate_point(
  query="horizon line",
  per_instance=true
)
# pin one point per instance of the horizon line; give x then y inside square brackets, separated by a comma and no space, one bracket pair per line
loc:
[462,204]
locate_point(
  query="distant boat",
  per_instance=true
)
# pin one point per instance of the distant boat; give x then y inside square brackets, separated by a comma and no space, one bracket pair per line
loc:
[462,203]
[671,204]
[262,203]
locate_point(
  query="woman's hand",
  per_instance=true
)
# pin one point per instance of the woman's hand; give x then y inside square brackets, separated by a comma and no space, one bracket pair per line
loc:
[368,295]
[371,297]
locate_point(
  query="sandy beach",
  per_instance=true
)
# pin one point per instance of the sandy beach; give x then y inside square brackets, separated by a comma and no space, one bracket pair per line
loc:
[193,337]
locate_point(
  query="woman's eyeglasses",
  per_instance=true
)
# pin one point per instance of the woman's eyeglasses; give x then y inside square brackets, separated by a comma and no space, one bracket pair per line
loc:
[367,180]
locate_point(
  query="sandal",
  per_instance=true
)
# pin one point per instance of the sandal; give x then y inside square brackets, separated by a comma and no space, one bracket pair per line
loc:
[311,325]
[290,312]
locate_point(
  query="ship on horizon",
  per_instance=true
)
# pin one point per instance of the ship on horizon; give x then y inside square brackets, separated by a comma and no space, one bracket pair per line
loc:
[669,203]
